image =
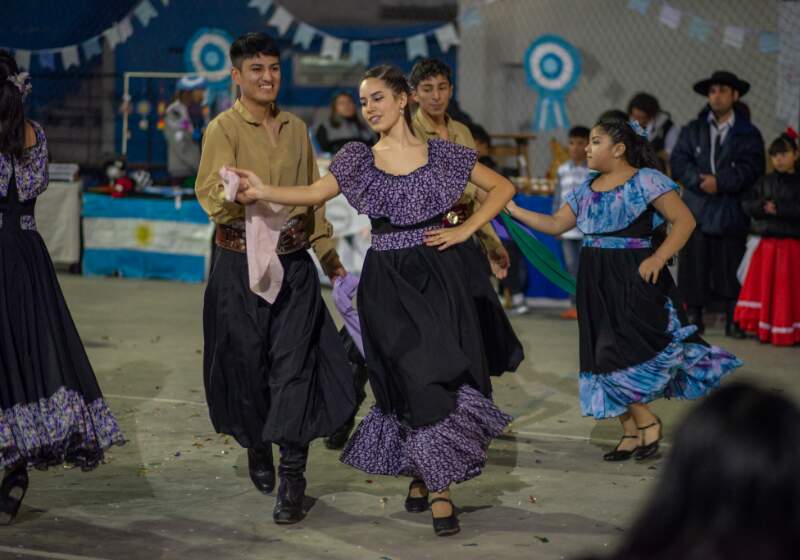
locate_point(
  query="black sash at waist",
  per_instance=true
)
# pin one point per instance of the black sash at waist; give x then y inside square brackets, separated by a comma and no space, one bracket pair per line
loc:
[383,225]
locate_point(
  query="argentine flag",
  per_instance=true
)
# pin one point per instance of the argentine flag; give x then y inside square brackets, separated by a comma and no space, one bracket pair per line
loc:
[146,238]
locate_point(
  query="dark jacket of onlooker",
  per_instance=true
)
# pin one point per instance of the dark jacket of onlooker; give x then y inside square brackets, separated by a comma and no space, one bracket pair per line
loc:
[784,190]
[741,163]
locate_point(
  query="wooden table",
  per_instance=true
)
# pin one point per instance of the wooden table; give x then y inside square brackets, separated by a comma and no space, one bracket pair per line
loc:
[518,150]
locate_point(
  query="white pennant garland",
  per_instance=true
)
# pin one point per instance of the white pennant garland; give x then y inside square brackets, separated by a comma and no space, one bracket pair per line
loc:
[304,35]
[281,19]
[331,47]
[417,46]
[145,12]
[447,37]
[359,52]
[69,56]
[23,58]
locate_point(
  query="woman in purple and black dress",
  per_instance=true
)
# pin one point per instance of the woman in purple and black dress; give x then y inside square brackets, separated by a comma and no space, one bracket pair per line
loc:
[434,417]
[51,408]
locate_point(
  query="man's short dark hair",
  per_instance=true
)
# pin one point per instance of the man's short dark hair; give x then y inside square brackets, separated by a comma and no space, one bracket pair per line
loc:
[579,132]
[479,134]
[250,45]
[646,103]
[429,68]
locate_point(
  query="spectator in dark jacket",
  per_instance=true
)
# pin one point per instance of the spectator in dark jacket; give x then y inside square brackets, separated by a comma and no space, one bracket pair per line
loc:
[718,158]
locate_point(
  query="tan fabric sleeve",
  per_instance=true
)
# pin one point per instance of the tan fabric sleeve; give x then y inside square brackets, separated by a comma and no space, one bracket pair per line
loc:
[218,150]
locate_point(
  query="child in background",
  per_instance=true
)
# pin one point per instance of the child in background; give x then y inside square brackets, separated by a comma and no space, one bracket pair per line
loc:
[571,174]
[769,303]
[517,277]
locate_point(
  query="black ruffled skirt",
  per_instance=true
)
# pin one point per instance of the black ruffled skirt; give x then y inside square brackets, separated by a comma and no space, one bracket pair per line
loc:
[51,408]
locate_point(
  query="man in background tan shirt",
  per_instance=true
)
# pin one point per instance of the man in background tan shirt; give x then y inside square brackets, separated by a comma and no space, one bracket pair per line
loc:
[431,120]
[273,373]
[432,88]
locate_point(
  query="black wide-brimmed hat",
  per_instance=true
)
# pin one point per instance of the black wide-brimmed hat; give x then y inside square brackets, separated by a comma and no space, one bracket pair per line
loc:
[720,77]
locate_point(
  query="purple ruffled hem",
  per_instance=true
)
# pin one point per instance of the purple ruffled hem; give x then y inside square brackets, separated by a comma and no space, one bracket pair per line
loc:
[60,429]
[683,370]
[451,451]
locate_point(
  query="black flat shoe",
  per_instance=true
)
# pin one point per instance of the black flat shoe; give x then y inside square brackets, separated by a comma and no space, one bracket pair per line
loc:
[733,330]
[445,526]
[262,472]
[339,438]
[289,503]
[420,504]
[12,492]
[621,454]
[649,450]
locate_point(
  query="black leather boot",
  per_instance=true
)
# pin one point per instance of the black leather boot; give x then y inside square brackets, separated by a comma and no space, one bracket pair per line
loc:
[695,315]
[732,328]
[262,472]
[292,488]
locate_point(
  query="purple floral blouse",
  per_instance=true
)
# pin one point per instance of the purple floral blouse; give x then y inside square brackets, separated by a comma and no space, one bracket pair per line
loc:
[30,169]
[404,199]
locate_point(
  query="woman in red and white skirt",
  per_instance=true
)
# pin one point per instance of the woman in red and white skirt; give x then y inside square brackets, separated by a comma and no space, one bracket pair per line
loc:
[769,303]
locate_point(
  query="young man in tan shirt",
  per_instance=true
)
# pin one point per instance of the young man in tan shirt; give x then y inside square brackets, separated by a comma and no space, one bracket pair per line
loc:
[274,373]
[432,88]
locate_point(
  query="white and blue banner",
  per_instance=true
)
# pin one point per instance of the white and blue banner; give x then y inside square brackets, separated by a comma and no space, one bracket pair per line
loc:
[146,238]
[207,51]
[552,67]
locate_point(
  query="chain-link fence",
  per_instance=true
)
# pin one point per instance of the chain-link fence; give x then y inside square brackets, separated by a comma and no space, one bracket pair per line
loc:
[628,46]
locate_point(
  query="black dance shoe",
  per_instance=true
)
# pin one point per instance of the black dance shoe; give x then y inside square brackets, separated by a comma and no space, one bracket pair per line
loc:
[339,438]
[445,526]
[262,473]
[733,330]
[289,504]
[12,492]
[419,504]
[621,454]
[645,451]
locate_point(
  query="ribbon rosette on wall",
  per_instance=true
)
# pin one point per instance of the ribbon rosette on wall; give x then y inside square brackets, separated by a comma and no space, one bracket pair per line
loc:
[552,67]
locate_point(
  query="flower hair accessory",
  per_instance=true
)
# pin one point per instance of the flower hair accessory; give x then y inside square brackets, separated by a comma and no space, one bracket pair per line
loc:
[23,83]
[638,129]
[792,133]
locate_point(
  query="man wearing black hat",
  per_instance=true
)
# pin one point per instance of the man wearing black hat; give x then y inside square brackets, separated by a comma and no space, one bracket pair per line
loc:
[718,158]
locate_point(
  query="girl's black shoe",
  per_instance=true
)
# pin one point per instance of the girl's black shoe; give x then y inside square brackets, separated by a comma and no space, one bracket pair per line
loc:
[645,451]
[12,492]
[420,504]
[445,526]
[621,454]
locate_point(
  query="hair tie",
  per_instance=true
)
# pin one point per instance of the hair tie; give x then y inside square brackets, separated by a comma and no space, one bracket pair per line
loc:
[792,133]
[638,129]
[23,83]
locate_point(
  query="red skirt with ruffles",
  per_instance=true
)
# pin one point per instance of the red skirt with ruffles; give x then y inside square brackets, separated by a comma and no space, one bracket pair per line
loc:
[769,303]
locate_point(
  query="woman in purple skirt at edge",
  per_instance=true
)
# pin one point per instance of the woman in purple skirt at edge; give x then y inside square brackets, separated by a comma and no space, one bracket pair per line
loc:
[51,408]
[434,417]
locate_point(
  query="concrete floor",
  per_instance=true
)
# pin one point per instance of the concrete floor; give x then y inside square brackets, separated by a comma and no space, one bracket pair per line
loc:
[178,490]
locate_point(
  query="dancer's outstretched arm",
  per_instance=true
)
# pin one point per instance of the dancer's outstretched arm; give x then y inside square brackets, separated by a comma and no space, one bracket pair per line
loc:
[499,191]
[252,189]
[563,220]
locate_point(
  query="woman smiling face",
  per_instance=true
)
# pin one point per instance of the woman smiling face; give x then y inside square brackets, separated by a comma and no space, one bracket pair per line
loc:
[380,106]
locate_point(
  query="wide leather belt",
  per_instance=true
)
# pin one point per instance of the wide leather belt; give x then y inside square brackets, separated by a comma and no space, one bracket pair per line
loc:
[293,237]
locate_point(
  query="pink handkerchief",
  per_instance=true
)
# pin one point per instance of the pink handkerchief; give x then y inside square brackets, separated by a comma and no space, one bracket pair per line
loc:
[263,223]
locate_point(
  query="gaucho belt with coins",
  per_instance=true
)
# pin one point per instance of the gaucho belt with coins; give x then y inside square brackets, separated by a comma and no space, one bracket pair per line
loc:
[453,217]
[293,236]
